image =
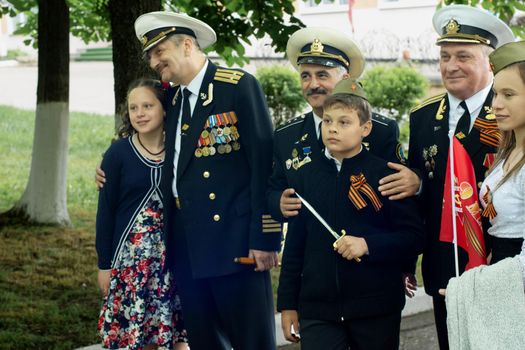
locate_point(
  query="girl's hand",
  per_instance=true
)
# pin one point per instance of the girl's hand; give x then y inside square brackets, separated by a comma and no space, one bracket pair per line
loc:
[103,281]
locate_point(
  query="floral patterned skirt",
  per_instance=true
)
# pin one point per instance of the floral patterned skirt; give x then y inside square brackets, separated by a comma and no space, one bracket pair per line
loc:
[142,306]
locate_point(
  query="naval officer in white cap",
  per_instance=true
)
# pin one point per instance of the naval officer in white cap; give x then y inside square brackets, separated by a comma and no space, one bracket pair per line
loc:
[467,35]
[218,159]
[323,57]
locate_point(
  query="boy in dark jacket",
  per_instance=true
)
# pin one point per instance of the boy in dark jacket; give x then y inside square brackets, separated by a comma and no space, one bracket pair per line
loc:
[347,294]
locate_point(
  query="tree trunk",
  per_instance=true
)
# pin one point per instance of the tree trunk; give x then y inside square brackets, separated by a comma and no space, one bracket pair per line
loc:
[45,197]
[128,64]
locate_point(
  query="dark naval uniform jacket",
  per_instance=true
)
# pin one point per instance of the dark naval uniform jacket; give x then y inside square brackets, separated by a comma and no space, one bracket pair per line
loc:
[297,140]
[428,152]
[316,280]
[224,164]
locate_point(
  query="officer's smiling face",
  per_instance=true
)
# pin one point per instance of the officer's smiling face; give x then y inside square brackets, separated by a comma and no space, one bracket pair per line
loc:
[317,82]
[465,69]
[167,59]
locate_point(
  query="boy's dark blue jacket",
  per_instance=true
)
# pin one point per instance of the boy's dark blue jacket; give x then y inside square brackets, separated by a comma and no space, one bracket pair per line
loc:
[319,282]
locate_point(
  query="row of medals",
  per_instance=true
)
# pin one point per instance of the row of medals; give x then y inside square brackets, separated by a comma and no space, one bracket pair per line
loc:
[229,133]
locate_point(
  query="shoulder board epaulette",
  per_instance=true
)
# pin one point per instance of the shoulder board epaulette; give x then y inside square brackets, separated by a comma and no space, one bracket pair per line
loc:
[427,102]
[291,122]
[226,75]
[381,119]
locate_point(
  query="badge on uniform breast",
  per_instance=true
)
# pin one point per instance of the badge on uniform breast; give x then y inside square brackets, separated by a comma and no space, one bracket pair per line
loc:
[428,156]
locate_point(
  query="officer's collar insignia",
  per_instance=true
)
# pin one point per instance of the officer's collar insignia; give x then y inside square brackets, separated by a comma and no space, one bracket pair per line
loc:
[317,46]
[359,186]
[366,145]
[452,27]
[208,98]
[460,135]
[441,110]
[490,113]
[174,101]
[304,137]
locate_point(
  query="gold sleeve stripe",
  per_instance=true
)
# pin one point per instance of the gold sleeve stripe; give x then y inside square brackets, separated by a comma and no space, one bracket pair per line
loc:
[427,102]
[267,216]
[272,230]
[271,225]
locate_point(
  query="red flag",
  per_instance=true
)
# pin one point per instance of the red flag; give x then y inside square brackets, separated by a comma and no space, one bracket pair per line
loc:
[468,213]
[350,18]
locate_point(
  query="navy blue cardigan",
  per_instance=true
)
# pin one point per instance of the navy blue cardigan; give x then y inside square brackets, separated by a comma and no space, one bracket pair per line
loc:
[131,179]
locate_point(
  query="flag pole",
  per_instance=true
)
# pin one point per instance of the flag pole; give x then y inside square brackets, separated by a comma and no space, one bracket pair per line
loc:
[453,199]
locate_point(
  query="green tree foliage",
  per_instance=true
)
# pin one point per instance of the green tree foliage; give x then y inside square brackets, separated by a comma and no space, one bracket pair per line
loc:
[394,90]
[283,92]
[235,21]
[504,9]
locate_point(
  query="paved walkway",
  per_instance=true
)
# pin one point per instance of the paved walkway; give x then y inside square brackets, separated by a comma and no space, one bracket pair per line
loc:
[91,86]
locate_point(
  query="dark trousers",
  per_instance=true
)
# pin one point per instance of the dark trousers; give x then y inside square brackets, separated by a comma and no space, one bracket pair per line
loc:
[219,313]
[440,316]
[372,333]
[505,248]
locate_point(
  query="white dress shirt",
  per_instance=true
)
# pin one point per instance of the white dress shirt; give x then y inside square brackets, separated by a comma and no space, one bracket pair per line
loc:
[194,86]
[474,104]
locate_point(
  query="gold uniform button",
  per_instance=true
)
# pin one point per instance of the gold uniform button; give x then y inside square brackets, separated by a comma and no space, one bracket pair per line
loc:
[206,174]
[212,196]
[216,217]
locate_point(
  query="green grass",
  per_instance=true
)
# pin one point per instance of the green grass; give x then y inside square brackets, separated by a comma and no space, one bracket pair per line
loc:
[48,293]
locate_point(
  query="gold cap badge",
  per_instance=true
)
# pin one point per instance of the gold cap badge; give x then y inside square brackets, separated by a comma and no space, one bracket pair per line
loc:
[317,46]
[452,27]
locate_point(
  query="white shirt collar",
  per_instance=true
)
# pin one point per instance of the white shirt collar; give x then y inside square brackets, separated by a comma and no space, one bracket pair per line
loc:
[338,164]
[195,85]
[474,103]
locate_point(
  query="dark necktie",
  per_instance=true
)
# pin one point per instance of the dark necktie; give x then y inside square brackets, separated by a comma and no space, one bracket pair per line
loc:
[320,138]
[463,125]
[186,112]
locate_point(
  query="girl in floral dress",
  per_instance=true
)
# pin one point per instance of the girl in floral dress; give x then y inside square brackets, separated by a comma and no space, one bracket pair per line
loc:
[141,309]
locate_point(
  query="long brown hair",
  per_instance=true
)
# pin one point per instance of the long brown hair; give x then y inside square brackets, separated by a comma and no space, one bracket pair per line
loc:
[155,86]
[508,139]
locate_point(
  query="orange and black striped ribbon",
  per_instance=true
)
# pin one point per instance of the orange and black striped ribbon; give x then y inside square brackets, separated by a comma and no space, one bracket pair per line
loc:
[358,184]
[489,133]
[489,211]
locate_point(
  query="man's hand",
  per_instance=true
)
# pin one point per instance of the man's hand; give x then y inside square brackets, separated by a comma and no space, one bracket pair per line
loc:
[289,204]
[410,283]
[443,292]
[264,260]
[100,177]
[351,247]
[405,183]
[103,281]
[289,319]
